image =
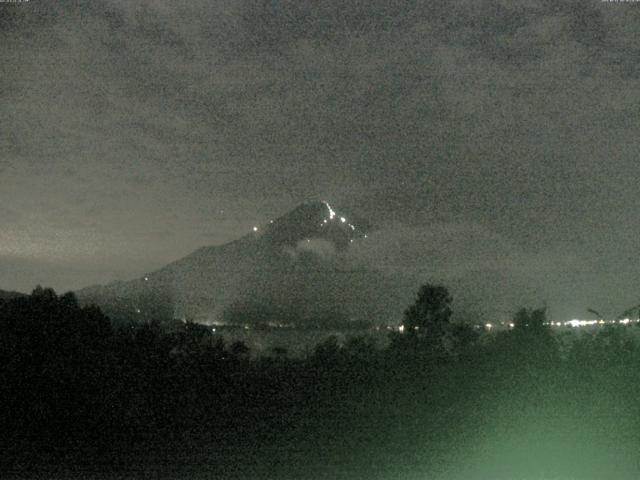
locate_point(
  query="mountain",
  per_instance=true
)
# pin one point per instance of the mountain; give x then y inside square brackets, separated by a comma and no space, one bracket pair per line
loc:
[293,270]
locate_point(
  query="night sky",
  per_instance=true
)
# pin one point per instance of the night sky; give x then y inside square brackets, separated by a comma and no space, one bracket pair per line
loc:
[495,143]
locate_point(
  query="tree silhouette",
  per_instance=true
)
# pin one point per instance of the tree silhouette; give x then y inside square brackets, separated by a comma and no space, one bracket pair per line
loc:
[280,353]
[239,349]
[430,314]
[426,326]
[532,319]
[328,351]
[531,343]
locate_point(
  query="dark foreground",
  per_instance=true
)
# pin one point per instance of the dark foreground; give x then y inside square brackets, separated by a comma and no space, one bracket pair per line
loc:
[82,399]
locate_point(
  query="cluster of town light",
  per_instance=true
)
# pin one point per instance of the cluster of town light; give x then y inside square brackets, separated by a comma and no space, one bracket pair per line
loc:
[586,323]
[569,323]
[579,323]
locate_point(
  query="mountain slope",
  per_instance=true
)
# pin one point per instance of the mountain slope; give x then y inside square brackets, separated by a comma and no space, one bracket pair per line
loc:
[291,270]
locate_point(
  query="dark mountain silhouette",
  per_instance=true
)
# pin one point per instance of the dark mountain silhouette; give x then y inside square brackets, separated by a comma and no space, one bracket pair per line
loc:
[293,270]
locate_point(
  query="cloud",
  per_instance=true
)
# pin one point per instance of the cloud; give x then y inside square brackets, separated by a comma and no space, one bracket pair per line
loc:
[322,248]
[520,117]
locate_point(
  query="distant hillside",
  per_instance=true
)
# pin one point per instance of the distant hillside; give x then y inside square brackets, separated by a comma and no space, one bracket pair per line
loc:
[290,271]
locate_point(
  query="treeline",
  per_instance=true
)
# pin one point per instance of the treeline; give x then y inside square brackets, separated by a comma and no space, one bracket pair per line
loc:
[78,393]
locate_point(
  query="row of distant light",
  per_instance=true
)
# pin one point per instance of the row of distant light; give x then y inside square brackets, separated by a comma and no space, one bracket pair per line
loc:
[577,323]
[585,323]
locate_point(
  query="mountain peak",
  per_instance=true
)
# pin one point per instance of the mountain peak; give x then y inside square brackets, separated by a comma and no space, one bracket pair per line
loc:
[315,220]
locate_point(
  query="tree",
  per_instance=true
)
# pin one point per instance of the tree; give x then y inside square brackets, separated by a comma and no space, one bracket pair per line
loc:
[463,337]
[280,353]
[430,314]
[328,350]
[239,349]
[426,325]
[532,319]
[531,344]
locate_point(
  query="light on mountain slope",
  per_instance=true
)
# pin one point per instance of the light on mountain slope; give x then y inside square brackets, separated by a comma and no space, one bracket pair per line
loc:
[331,212]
